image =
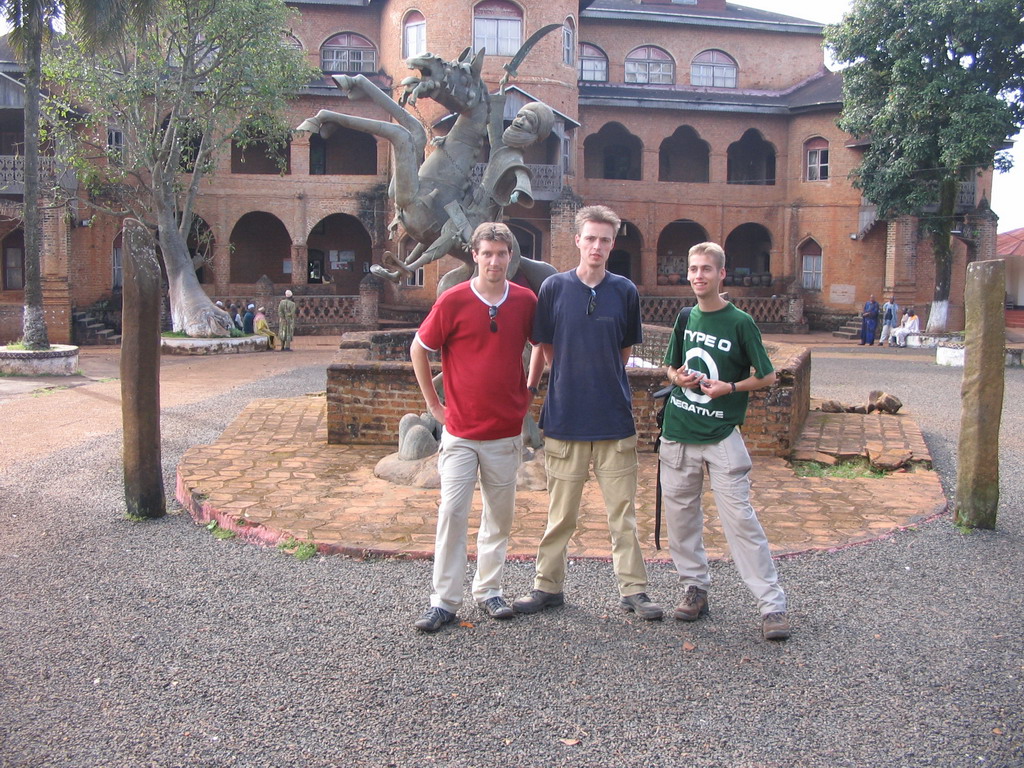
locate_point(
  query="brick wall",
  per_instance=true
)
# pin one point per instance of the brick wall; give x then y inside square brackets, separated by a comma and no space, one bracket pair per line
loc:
[11,322]
[366,400]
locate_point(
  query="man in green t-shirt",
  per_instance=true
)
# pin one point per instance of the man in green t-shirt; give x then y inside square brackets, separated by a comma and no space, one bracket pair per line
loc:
[709,360]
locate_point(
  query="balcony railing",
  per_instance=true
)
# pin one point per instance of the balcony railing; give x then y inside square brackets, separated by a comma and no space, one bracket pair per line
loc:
[547,180]
[12,174]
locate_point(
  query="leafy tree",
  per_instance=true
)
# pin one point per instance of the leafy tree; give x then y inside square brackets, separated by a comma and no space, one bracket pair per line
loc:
[206,73]
[31,24]
[935,86]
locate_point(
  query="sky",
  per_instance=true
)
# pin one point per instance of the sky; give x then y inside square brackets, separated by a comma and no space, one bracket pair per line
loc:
[1007,188]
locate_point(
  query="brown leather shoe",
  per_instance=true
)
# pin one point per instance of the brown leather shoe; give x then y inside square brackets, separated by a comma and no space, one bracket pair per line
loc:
[775,626]
[694,605]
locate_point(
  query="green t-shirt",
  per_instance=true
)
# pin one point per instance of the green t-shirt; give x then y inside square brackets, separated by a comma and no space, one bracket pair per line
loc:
[724,344]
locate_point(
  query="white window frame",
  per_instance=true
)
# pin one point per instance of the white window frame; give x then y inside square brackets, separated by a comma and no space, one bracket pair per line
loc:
[817,164]
[592,64]
[568,43]
[345,57]
[720,72]
[644,66]
[499,35]
[811,268]
[416,280]
[414,36]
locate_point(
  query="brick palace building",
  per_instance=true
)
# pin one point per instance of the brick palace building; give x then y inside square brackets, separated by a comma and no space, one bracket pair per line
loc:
[693,119]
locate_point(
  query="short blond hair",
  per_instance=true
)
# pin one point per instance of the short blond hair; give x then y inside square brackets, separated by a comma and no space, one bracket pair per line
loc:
[601,214]
[714,250]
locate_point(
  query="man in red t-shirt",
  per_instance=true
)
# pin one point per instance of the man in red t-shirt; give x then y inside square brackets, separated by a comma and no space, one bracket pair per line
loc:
[481,328]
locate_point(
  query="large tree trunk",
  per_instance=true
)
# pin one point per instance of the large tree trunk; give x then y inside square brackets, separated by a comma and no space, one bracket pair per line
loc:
[192,312]
[942,249]
[34,321]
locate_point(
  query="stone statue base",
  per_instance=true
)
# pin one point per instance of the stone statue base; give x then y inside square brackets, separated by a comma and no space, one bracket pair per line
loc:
[422,473]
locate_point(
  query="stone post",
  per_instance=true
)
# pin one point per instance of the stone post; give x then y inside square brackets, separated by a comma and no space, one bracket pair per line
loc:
[369,301]
[140,374]
[977,482]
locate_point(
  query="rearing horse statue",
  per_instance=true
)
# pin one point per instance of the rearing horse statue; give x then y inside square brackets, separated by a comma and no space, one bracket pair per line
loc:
[437,202]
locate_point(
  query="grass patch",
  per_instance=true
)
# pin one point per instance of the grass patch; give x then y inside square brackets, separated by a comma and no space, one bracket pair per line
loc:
[175,335]
[49,390]
[300,551]
[223,534]
[17,346]
[846,470]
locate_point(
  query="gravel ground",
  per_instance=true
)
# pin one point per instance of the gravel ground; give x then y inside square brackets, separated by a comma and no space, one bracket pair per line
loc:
[155,644]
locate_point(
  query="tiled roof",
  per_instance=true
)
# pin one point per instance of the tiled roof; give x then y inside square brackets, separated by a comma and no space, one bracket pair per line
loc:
[1010,243]
[823,90]
[677,13]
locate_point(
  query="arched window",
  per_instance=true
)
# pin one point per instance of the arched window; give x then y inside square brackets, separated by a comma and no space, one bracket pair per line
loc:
[613,153]
[593,64]
[569,42]
[348,52]
[116,264]
[816,157]
[261,157]
[714,69]
[684,156]
[648,64]
[810,260]
[414,37]
[497,27]
[529,238]
[751,160]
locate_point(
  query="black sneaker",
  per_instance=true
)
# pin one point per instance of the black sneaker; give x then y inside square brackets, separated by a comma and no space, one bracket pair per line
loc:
[536,601]
[434,619]
[693,606]
[496,608]
[775,626]
[641,605]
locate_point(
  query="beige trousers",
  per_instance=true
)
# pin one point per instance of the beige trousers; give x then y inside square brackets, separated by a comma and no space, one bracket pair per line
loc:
[568,466]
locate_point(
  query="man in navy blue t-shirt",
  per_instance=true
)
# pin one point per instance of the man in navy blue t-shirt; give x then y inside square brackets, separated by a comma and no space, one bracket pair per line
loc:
[587,322]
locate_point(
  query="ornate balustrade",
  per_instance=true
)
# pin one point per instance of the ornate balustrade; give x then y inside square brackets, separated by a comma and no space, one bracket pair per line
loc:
[12,172]
[546,182]
[663,310]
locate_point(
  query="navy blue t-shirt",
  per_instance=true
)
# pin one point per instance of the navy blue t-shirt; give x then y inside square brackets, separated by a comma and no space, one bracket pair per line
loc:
[588,392]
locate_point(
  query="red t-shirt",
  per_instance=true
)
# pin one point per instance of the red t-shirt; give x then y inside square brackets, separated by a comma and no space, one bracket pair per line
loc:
[484,381]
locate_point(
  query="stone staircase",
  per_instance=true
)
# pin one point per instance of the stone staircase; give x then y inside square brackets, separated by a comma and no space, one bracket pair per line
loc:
[91,330]
[849,331]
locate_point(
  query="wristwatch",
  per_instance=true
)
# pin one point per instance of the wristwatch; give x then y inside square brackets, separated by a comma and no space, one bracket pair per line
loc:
[533,391]
[733,385]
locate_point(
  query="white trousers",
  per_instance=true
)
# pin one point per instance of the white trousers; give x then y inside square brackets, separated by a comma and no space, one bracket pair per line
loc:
[682,481]
[460,462]
[887,333]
